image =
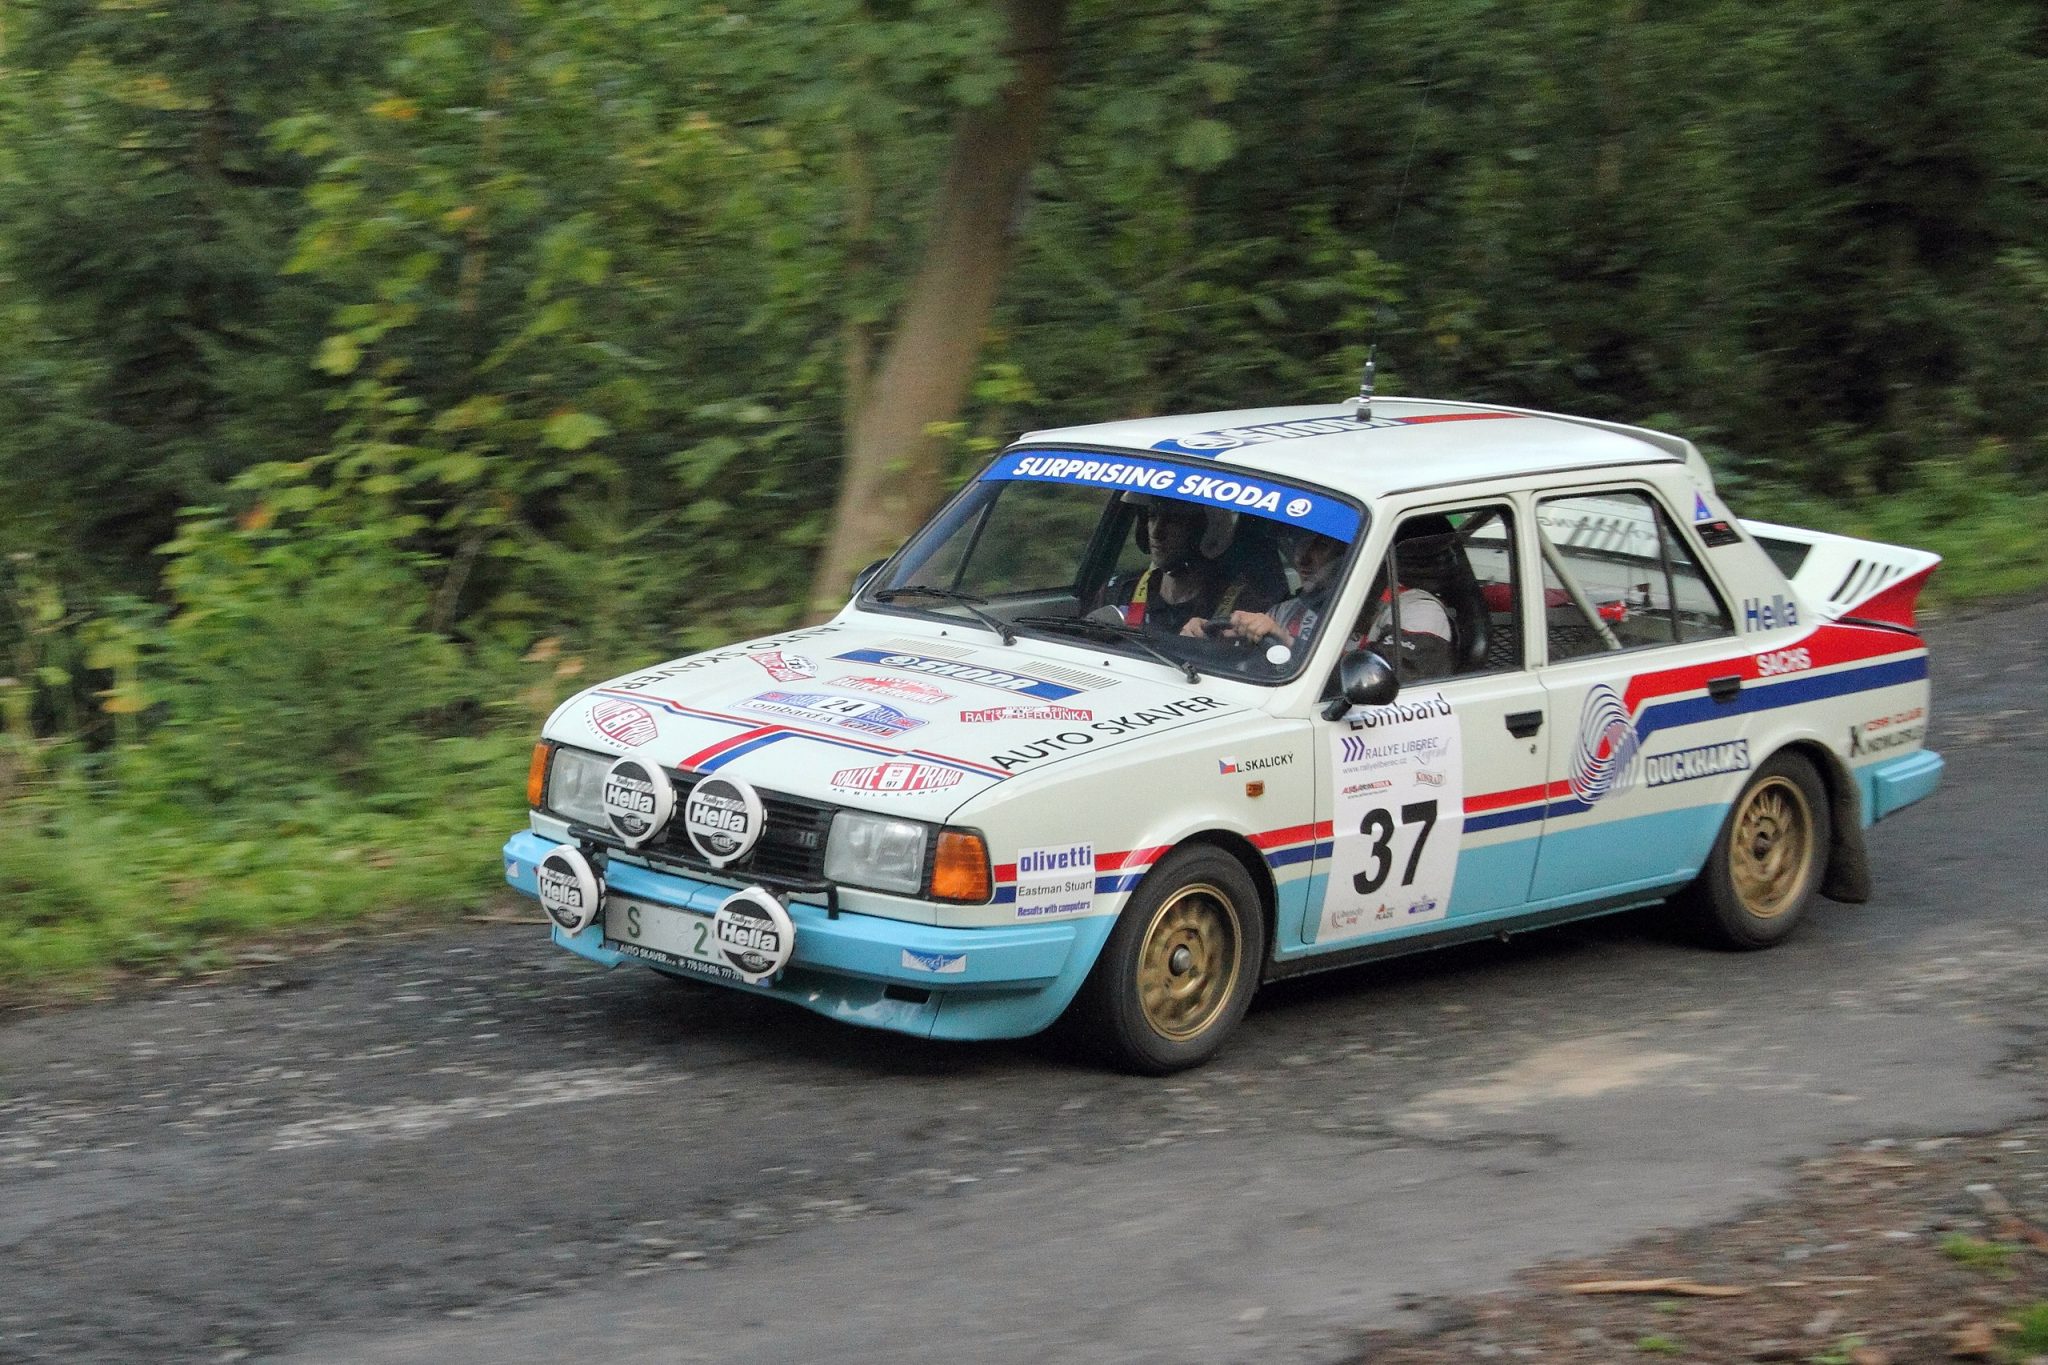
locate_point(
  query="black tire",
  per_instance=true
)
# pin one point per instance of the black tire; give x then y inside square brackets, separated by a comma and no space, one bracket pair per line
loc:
[1768,860]
[1178,970]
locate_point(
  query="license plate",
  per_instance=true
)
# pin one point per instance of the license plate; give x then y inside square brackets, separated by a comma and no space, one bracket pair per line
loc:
[661,933]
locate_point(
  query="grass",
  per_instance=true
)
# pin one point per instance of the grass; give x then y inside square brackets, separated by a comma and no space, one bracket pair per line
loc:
[1974,1253]
[2030,1337]
[95,884]
[1660,1346]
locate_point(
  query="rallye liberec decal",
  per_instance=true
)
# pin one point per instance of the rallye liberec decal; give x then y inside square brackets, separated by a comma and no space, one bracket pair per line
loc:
[1397,818]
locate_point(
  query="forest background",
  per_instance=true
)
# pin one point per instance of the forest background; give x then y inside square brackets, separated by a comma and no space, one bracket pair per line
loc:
[375,372]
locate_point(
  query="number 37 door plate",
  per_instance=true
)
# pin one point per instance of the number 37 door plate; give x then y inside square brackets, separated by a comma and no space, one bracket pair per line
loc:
[665,935]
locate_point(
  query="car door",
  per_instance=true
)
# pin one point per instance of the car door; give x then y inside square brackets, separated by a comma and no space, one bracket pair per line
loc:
[1641,665]
[1425,799]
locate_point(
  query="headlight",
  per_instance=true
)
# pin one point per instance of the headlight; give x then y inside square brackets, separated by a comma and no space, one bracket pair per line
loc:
[876,852]
[576,786]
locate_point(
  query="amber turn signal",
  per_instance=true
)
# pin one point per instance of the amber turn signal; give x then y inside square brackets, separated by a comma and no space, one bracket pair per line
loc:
[537,774]
[960,871]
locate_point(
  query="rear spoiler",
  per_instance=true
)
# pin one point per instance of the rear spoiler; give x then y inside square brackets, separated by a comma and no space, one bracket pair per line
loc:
[1847,579]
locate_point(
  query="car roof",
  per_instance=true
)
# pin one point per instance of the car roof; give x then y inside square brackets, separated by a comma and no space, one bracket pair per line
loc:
[1409,443]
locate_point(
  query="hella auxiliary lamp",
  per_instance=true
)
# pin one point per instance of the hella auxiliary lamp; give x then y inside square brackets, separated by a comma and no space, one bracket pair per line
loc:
[867,850]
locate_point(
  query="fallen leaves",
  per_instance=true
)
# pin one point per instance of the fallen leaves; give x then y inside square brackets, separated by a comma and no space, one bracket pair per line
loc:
[1680,1288]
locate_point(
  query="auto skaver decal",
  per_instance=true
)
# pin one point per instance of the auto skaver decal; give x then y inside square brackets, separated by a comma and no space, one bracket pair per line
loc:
[1045,747]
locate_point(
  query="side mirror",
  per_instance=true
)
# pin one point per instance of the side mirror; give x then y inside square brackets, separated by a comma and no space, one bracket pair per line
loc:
[860,580]
[1364,678]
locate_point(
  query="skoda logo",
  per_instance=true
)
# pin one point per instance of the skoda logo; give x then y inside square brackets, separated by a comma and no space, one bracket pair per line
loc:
[638,799]
[724,819]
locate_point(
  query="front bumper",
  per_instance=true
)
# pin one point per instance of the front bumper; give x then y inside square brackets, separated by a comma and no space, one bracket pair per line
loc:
[1003,982]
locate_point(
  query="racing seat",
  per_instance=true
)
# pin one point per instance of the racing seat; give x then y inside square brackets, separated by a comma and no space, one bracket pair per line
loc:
[1430,555]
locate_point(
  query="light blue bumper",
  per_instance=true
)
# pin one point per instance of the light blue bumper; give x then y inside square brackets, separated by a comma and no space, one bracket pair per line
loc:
[1002,982]
[1895,783]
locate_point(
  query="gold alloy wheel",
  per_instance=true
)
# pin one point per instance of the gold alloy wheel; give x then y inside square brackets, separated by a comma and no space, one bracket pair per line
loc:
[1770,849]
[1189,960]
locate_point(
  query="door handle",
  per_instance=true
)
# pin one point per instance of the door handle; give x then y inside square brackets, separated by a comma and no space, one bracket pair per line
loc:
[1724,689]
[1522,724]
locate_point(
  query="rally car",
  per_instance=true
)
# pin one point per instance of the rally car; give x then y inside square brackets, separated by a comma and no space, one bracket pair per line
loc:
[1154,711]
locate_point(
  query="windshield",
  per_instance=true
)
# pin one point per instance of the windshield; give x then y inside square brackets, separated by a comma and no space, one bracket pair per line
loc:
[1198,567]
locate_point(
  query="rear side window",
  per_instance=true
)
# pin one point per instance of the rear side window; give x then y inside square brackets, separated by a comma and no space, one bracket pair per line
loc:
[1617,576]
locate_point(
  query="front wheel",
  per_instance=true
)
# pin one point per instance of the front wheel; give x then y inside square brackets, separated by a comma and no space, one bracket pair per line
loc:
[1180,967]
[1769,858]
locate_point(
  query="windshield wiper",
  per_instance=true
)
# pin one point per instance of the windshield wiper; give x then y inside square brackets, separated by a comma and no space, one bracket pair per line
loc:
[965,599]
[1081,625]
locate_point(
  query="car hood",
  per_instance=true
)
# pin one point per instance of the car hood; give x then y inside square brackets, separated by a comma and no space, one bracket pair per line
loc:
[882,718]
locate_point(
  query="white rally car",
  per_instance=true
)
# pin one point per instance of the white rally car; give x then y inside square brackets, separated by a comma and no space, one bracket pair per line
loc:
[1154,711]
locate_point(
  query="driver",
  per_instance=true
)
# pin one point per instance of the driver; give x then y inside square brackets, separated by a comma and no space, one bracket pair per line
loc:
[1183,584]
[1427,633]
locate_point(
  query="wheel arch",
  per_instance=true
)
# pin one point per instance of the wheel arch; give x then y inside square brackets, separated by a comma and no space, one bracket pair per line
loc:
[1847,876]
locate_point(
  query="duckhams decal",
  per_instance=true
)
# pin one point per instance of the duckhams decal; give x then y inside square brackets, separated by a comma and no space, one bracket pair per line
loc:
[1397,817]
[884,779]
[624,722]
[846,713]
[956,671]
[1024,755]
[1057,879]
[944,964]
[1688,765]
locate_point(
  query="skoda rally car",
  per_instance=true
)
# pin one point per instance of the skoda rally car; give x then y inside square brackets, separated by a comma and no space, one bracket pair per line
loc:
[1155,711]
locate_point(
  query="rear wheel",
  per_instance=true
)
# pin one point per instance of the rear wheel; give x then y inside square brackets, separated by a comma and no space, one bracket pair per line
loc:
[1180,967]
[1769,858]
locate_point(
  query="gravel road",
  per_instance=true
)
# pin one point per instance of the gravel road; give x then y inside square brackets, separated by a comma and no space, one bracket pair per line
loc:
[465,1145]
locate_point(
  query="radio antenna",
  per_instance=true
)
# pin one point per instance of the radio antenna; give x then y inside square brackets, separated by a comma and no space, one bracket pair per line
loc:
[1364,412]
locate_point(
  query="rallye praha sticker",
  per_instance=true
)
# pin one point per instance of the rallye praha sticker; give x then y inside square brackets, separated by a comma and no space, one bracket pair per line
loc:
[1397,818]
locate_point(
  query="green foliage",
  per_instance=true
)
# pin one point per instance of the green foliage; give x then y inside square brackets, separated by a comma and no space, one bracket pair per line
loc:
[1660,1346]
[1974,1253]
[2030,1337]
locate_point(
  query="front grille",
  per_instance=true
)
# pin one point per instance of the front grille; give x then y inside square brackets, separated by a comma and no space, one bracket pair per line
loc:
[792,847]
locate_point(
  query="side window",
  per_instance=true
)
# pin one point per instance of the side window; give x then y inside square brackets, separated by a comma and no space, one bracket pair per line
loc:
[1457,611]
[1617,575]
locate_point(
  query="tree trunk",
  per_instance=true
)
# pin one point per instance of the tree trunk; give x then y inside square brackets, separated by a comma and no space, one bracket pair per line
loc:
[892,472]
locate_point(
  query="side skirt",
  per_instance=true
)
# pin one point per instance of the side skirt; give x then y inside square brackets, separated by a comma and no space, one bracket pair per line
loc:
[1502,929]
